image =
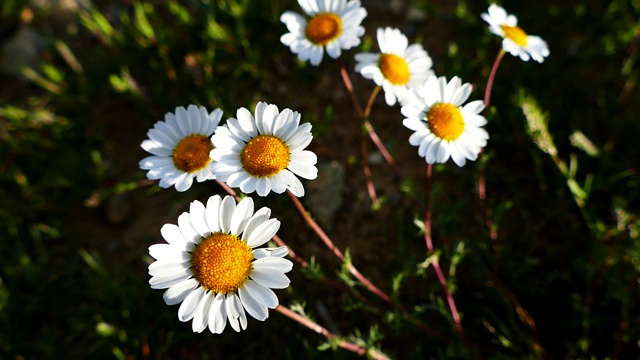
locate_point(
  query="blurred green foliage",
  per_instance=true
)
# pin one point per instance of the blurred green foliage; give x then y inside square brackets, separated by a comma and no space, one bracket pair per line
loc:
[560,281]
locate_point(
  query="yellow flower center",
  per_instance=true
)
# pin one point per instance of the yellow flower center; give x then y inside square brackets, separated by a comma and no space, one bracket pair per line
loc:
[445,121]
[265,156]
[516,34]
[394,69]
[221,263]
[323,28]
[192,153]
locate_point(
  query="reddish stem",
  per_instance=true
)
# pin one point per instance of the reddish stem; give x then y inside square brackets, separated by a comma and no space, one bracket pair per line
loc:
[372,134]
[329,243]
[363,149]
[492,75]
[326,333]
[436,263]
[482,188]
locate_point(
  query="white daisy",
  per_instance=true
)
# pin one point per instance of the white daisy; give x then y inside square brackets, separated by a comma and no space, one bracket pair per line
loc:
[263,153]
[443,127]
[212,265]
[180,147]
[515,41]
[398,68]
[333,25]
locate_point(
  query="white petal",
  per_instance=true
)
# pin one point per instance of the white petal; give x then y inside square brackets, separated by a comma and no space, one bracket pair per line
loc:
[184,182]
[227,207]
[451,88]
[254,308]
[293,184]
[186,228]
[281,251]
[236,128]
[303,169]
[166,281]
[178,292]
[474,107]
[258,218]
[270,278]
[263,233]
[264,295]
[246,122]
[167,252]
[241,215]
[248,185]
[273,263]
[201,315]
[232,310]
[197,212]
[431,151]
[266,120]
[190,304]
[262,187]
[212,216]
[456,155]
[443,152]
[266,252]
[316,55]
[155,148]
[218,314]
[172,234]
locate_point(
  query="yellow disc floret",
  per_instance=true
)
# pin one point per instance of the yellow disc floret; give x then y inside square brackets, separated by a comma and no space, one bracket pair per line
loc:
[445,121]
[264,156]
[394,68]
[192,153]
[323,28]
[516,34]
[221,262]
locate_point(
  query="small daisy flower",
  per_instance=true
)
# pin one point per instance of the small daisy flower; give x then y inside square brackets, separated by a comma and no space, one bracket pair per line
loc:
[398,68]
[211,264]
[263,153]
[443,127]
[333,26]
[515,41]
[180,147]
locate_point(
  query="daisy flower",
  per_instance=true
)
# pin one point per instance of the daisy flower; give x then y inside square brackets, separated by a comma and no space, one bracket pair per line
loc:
[333,26]
[515,41]
[443,127]
[180,147]
[398,68]
[211,264]
[263,153]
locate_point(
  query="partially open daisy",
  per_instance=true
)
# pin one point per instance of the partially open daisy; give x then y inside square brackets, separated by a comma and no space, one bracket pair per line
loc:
[515,40]
[443,127]
[263,153]
[332,26]
[398,68]
[180,147]
[212,265]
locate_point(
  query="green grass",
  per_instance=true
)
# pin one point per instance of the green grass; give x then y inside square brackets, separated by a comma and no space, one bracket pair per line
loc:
[77,217]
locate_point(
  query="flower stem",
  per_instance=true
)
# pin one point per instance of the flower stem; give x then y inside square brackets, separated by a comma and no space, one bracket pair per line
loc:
[371,353]
[492,75]
[482,188]
[436,264]
[372,133]
[363,148]
[356,274]
[349,86]
[329,243]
